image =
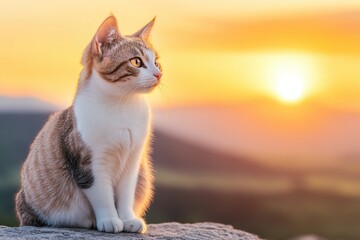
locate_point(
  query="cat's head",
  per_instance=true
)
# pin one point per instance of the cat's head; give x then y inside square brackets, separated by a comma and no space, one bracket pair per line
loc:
[119,64]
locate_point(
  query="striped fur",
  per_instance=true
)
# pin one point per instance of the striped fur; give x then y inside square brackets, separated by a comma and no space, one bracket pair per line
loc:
[89,165]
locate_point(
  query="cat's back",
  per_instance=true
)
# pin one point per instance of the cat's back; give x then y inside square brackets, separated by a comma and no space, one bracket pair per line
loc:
[44,148]
[40,152]
[48,182]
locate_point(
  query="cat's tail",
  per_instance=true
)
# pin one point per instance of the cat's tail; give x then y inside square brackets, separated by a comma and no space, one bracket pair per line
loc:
[25,213]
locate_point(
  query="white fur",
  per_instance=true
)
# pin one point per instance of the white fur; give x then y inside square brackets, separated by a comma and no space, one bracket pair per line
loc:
[78,215]
[114,122]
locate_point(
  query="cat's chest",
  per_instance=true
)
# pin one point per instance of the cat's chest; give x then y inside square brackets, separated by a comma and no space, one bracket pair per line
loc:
[104,126]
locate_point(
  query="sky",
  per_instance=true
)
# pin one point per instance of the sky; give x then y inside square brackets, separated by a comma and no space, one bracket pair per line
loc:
[212,51]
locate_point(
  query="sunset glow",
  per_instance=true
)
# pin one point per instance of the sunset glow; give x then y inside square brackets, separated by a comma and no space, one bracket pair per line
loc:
[212,56]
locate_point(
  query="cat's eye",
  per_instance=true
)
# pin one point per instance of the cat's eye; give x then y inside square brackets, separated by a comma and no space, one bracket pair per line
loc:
[156,63]
[136,62]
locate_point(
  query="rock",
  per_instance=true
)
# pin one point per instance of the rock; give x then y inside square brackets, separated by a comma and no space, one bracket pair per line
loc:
[197,231]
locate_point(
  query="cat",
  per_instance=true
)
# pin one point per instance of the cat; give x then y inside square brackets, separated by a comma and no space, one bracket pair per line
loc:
[88,167]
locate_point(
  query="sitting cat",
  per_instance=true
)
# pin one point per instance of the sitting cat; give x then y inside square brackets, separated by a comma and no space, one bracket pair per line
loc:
[89,166]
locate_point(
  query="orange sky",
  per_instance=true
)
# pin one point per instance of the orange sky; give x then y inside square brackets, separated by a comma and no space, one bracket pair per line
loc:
[218,51]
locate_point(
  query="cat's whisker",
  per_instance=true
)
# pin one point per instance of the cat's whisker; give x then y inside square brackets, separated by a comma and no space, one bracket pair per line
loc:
[162,92]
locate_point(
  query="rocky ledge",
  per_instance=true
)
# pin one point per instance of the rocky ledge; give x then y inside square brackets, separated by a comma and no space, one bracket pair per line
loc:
[162,231]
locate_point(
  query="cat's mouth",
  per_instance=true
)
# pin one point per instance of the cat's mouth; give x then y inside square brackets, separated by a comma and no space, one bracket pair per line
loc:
[150,87]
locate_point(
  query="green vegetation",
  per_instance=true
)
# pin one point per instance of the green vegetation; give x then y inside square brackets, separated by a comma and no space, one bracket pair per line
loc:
[7,213]
[16,134]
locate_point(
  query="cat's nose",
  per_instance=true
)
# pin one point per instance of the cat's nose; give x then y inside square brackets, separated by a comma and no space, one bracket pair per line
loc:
[158,75]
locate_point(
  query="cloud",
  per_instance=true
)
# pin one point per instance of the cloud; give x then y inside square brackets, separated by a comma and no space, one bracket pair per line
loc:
[329,32]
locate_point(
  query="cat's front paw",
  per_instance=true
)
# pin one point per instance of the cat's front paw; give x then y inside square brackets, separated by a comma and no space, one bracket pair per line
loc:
[111,225]
[135,225]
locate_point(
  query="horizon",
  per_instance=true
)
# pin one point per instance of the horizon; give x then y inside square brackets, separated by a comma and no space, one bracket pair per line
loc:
[28,103]
[267,132]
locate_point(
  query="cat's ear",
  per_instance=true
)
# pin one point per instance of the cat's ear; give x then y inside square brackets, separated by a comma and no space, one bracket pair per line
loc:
[107,32]
[144,33]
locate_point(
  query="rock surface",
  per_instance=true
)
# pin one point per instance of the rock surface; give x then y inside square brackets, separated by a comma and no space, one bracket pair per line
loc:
[197,231]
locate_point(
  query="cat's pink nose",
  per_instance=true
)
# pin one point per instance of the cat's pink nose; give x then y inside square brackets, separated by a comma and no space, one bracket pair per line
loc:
[158,75]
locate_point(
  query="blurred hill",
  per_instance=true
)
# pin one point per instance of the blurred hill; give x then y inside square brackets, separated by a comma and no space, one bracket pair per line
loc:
[170,155]
[303,136]
[25,104]
[183,156]
[17,131]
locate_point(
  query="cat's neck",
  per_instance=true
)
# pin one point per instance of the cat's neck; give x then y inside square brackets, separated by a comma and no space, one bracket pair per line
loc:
[94,89]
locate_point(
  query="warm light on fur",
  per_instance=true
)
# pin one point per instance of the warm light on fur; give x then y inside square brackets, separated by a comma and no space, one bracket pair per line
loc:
[89,165]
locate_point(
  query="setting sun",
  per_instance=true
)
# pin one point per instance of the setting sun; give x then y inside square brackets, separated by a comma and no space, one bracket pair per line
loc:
[290,77]
[289,85]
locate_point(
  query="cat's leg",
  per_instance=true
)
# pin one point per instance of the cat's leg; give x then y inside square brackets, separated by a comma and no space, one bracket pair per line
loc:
[125,197]
[144,190]
[101,197]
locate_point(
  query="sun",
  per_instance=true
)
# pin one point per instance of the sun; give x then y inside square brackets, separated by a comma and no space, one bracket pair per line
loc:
[289,85]
[290,75]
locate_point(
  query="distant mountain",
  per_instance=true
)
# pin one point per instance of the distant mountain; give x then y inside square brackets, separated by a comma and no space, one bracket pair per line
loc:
[178,155]
[17,131]
[25,104]
[286,136]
